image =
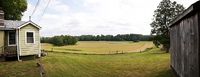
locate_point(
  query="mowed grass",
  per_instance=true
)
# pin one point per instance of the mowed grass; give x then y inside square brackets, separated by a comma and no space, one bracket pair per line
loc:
[100,47]
[19,69]
[150,63]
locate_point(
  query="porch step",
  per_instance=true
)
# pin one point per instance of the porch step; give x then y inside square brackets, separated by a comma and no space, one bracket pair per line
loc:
[9,54]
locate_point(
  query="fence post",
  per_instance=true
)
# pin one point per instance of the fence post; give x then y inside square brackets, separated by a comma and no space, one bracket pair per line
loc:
[122,52]
[52,49]
[117,52]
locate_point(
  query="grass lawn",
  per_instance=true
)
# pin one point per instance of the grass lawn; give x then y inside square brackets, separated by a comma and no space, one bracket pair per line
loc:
[19,69]
[151,63]
[100,47]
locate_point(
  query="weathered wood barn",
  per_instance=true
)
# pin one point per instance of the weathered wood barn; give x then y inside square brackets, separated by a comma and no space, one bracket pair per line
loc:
[184,42]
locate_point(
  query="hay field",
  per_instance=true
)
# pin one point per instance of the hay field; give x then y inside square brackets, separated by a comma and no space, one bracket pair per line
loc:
[100,47]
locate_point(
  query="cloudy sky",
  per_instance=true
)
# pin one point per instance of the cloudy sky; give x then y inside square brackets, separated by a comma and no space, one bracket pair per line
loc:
[94,17]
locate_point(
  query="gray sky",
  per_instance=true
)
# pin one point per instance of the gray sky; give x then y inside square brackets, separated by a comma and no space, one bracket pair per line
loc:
[95,17]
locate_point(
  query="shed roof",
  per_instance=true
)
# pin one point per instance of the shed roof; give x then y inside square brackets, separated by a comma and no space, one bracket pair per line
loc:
[192,9]
[11,24]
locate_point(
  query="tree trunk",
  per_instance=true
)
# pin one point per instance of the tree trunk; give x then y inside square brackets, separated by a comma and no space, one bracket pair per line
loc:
[167,51]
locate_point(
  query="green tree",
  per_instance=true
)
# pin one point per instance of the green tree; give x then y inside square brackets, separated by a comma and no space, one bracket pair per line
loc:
[134,39]
[74,40]
[166,11]
[98,38]
[13,9]
[57,41]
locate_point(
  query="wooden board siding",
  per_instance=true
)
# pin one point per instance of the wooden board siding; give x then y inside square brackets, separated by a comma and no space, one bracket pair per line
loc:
[29,49]
[184,46]
[184,42]
[1,40]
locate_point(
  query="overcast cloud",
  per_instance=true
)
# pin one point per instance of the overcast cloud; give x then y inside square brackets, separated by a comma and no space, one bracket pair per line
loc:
[95,17]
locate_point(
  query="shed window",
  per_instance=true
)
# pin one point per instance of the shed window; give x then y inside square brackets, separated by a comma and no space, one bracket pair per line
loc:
[29,37]
[11,37]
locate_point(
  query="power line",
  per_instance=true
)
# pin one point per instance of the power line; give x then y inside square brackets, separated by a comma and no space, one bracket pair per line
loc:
[44,10]
[35,7]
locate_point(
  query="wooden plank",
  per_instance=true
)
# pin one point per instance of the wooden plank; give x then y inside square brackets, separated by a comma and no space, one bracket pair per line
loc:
[179,68]
[176,50]
[182,36]
[189,45]
[179,65]
[40,68]
[197,30]
[171,46]
[191,53]
[185,48]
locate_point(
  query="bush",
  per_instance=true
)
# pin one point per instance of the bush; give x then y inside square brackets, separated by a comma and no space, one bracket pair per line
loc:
[60,40]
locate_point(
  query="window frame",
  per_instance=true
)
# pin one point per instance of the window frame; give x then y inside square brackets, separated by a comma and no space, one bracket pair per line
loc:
[26,37]
[9,39]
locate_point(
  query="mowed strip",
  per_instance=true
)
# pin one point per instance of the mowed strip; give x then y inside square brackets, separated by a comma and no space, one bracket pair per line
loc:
[101,47]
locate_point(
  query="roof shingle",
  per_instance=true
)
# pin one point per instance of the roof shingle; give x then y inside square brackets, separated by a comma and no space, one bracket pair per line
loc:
[11,24]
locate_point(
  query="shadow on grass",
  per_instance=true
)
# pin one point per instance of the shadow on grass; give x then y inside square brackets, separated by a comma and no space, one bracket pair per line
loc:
[165,73]
[147,49]
[67,49]
[160,52]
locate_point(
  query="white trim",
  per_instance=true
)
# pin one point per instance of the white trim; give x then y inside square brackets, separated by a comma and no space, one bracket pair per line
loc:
[33,37]
[39,45]
[19,44]
[30,22]
[8,39]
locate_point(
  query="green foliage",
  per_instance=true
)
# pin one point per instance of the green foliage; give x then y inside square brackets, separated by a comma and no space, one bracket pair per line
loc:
[122,37]
[134,39]
[13,9]
[45,39]
[166,11]
[59,40]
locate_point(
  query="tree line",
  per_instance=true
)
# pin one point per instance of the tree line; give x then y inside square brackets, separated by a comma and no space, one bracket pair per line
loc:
[119,37]
[59,40]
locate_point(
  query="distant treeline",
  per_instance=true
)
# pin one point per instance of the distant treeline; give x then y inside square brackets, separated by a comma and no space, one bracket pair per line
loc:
[59,40]
[119,37]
